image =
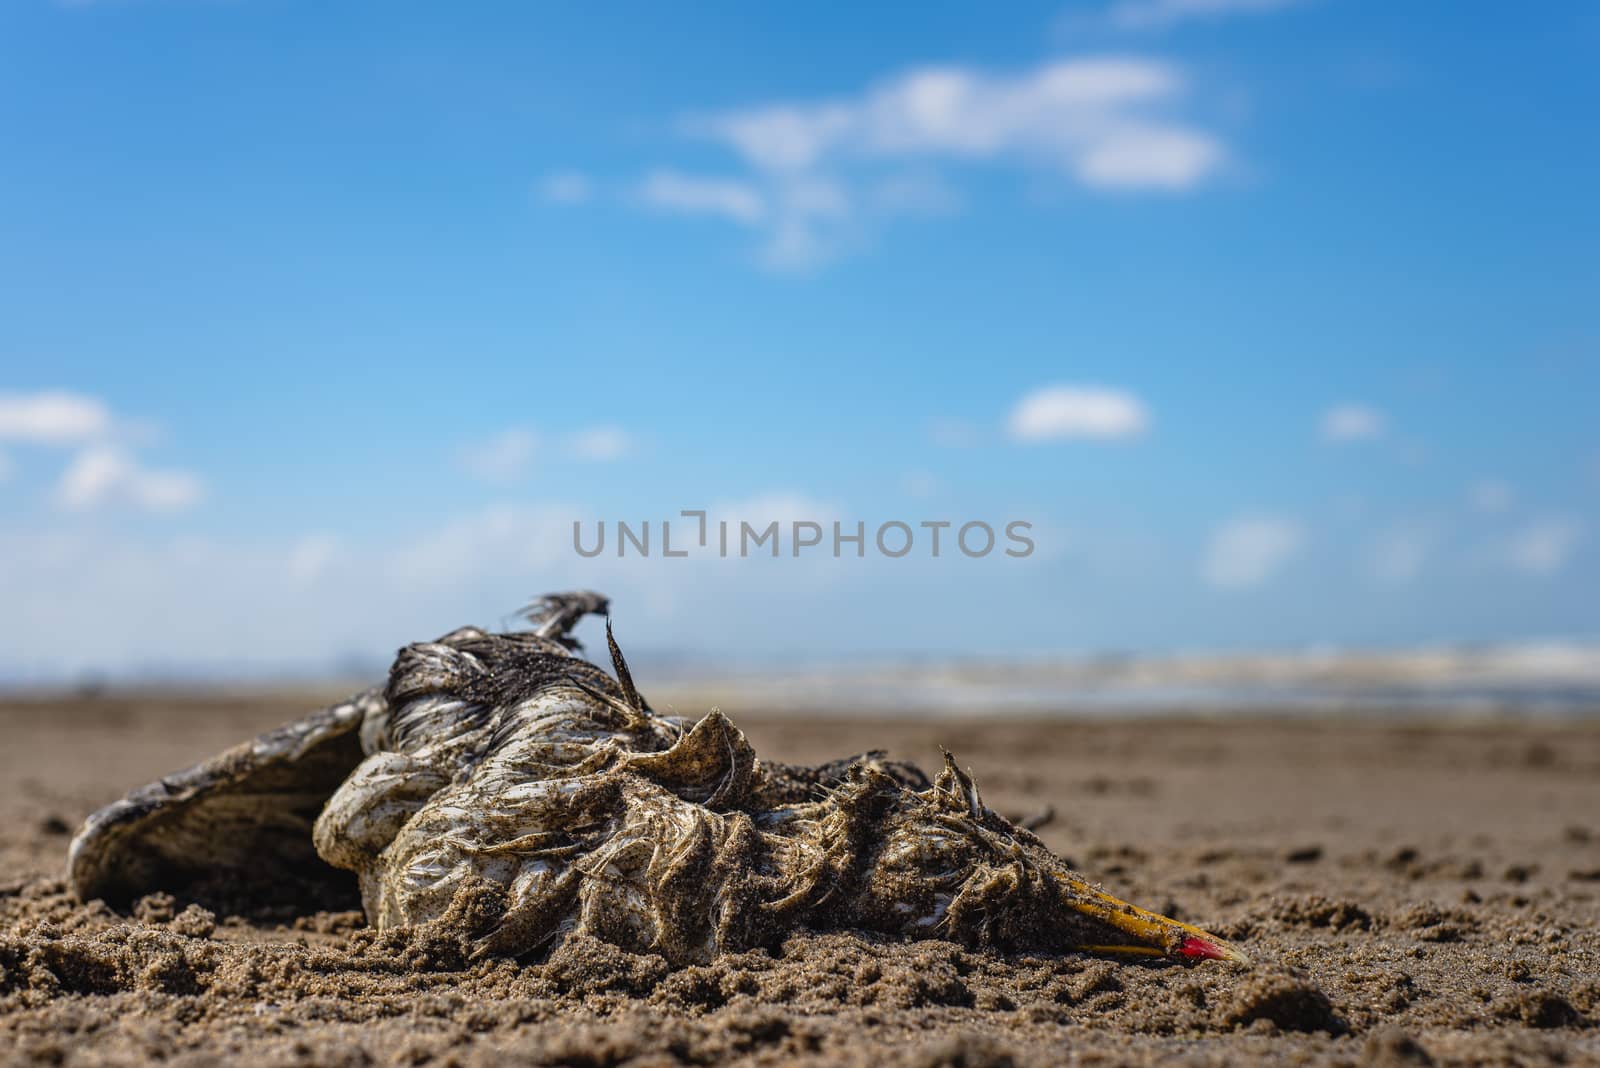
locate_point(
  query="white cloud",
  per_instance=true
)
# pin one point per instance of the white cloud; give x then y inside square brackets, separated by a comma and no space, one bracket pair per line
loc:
[478,548]
[823,175]
[921,484]
[1091,118]
[104,474]
[914,193]
[320,601]
[1161,14]
[501,457]
[726,198]
[303,603]
[600,444]
[104,470]
[1544,546]
[1352,422]
[510,454]
[1152,158]
[781,506]
[813,220]
[1491,495]
[52,418]
[311,556]
[1058,413]
[566,187]
[1398,556]
[1247,551]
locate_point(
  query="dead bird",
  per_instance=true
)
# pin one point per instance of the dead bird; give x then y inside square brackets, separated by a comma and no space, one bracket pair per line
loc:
[507,761]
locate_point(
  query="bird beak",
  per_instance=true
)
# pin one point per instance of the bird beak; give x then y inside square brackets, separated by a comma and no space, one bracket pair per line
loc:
[1156,934]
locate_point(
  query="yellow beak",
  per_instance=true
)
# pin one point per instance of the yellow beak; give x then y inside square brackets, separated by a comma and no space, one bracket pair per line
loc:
[1158,934]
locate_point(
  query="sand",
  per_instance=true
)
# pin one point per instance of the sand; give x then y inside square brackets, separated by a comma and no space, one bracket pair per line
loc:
[1412,894]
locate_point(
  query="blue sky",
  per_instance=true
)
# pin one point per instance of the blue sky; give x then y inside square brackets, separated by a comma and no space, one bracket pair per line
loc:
[321,323]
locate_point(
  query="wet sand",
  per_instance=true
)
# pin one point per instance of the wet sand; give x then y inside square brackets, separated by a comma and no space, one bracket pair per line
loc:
[1411,894]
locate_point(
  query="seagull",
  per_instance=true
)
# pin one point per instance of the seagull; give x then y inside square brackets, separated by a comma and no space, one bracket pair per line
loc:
[508,765]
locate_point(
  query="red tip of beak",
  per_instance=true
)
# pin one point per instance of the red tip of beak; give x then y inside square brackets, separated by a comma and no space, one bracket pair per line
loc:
[1199,949]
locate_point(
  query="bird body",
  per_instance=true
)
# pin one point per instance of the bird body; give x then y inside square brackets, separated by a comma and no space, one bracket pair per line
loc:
[506,762]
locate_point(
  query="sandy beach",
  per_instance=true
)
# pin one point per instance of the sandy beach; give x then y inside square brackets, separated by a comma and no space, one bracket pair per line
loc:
[1412,892]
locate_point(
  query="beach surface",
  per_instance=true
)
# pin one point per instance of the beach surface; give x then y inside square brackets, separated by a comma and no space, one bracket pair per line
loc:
[1412,892]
